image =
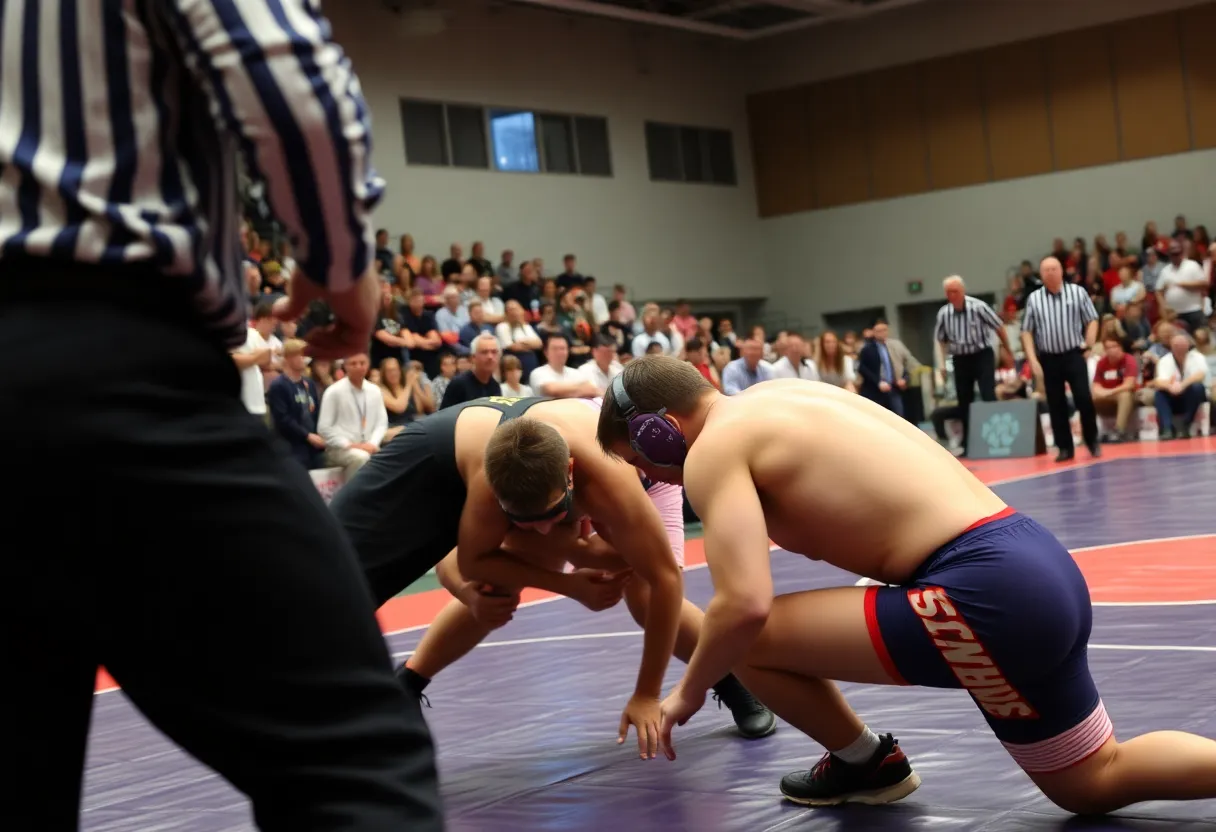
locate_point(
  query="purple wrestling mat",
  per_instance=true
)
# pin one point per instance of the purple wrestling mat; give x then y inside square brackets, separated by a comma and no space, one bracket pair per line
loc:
[526,724]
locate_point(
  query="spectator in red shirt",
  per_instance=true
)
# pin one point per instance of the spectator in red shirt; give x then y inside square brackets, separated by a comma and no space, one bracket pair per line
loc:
[1114,386]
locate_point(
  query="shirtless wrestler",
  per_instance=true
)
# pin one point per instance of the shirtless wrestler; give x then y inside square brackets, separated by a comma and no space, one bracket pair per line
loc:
[980,597]
[427,492]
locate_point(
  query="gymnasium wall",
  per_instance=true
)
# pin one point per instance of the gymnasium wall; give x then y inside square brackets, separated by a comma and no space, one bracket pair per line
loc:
[674,238]
[876,164]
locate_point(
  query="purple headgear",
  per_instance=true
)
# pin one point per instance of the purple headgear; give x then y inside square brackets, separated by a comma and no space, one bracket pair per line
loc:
[651,436]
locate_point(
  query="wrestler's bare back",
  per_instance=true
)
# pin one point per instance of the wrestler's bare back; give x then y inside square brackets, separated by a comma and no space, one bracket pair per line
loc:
[840,478]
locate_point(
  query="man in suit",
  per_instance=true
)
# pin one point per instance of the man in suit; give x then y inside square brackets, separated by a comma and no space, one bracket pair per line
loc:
[883,366]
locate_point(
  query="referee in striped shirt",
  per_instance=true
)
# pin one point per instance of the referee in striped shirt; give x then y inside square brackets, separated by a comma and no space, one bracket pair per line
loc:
[964,331]
[177,544]
[1058,328]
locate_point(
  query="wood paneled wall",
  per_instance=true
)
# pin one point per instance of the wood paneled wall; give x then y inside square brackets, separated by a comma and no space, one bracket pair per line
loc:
[1130,90]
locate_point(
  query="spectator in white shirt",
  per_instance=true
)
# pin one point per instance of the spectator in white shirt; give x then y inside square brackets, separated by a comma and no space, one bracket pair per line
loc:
[797,362]
[557,380]
[256,355]
[517,337]
[515,334]
[597,304]
[1179,385]
[512,378]
[1182,286]
[493,311]
[603,366]
[1128,291]
[353,418]
[650,332]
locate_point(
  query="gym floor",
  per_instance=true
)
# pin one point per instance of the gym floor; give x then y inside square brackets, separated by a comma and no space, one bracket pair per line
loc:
[535,750]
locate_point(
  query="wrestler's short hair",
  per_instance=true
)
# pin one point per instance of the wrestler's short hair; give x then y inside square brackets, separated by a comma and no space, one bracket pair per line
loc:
[526,463]
[653,383]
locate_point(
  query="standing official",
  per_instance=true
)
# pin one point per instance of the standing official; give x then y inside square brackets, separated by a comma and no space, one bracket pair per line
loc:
[196,561]
[1059,326]
[964,332]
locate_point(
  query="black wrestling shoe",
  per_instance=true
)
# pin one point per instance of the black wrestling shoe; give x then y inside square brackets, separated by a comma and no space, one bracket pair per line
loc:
[1095,450]
[413,683]
[885,778]
[1065,456]
[753,720]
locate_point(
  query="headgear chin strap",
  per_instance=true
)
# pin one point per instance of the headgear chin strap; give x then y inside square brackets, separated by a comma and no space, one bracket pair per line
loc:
[651,436]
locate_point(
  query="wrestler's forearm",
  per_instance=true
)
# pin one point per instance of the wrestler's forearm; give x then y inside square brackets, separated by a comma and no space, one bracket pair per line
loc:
[448,573]
[507,571]
[727,634]
[662,624]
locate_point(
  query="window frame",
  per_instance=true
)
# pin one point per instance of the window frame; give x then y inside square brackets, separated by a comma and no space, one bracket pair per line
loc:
[703,135]
[538,114]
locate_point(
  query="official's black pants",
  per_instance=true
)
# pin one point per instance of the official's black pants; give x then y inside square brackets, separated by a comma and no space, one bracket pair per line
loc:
[969,370]
[1068,368]
[154,527]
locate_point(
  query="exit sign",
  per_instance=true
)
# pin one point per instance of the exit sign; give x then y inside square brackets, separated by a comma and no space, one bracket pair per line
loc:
[915,287]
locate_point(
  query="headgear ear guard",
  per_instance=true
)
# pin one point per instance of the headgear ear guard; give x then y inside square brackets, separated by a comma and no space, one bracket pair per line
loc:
[651,436]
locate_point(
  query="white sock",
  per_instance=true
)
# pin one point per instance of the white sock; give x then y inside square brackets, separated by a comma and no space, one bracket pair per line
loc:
[859,750]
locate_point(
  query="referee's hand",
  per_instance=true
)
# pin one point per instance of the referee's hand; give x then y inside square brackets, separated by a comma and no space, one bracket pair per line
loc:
[354,311]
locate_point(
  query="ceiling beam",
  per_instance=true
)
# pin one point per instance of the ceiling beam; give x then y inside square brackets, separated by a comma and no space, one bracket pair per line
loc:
[855,14]
[589,7]
[821,12]
[826,8]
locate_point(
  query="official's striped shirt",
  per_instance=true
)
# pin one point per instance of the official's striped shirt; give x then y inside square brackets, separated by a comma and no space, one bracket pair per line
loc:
[968,330]
[120,126]
[1058,320]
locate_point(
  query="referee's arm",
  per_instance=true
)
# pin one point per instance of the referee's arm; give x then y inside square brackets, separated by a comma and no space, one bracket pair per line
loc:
[1030,322]
[1089,314]
[278,83]
[941,346]
[995,324]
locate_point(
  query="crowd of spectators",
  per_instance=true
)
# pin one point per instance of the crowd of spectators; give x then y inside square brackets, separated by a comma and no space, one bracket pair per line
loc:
[464,327]
[1155,299]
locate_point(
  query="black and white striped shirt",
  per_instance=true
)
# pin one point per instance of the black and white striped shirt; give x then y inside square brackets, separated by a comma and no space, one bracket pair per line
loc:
[968,330]
[120,127]
[1058,320]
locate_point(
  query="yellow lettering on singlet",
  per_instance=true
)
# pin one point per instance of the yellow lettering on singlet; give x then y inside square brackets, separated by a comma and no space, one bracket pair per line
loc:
[506,401]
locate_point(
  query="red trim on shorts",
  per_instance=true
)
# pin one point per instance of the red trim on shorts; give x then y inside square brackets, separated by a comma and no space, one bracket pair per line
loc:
[880,646]
[1007,511]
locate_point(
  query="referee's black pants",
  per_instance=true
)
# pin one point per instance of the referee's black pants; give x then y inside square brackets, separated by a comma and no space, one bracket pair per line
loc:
[1068,368]
[156,528]
[977,367]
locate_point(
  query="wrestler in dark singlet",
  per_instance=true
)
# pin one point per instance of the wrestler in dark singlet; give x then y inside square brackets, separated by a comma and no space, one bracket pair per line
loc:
[402,510]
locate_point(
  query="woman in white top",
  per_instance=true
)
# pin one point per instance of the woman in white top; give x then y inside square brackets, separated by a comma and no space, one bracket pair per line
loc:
[515,334]
[517,337]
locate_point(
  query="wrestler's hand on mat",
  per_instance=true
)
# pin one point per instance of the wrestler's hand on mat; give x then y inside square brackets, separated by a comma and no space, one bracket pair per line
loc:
[596,589]
[491,606]
[642,712]
[677,708]
[354,311]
